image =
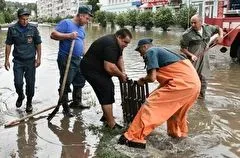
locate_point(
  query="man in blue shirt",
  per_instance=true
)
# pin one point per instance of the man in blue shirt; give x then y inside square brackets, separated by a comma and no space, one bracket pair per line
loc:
[27,43]
[66,31]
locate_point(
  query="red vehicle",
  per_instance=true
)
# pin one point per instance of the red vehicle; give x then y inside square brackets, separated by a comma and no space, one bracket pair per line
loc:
[227,16]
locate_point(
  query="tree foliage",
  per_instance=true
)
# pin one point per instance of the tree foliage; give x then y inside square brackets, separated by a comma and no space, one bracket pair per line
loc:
[8,15]
[145,19]
[163,18]
[110,16]
[184,15]
[2,20]
[120,19]
[100,17]
[131,18]
[94,4]
[2,5]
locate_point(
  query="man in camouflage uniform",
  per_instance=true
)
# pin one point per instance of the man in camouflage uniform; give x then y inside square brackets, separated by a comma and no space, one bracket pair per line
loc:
[194,43]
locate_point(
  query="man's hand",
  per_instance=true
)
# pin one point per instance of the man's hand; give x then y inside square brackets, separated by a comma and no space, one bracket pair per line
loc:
[194,57]
[123,77]
[7,65]
[219,40]
[37,63]
[141,81]
[73,35]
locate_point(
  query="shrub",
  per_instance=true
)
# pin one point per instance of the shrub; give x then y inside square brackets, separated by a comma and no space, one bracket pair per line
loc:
[120,19]
[163,18]
[100,17]
[145,19]
[131,18]
[184,15]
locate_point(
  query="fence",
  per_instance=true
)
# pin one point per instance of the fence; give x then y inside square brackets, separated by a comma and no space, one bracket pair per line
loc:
[132,96]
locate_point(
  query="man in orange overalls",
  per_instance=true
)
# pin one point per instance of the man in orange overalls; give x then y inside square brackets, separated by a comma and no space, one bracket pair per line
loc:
[178,90]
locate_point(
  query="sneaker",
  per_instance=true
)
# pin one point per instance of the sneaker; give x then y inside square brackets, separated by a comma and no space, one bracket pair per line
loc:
[124,141]
[103,118]
[29,107]
[136,145]
[19,101]
[115,127]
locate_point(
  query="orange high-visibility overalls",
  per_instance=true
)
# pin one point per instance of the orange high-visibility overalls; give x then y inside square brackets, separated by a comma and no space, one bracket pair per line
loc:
[179,88]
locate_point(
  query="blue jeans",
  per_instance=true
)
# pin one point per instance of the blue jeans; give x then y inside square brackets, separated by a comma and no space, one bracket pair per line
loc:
[27,70]
[75,75]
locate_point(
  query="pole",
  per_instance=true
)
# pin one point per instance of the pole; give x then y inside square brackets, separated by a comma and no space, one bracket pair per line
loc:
[51,115]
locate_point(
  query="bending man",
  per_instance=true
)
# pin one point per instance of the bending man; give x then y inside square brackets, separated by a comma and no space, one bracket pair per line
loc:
[102,61]
[178,90]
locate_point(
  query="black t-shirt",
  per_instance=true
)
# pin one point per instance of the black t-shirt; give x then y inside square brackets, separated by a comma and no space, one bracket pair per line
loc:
[105,48]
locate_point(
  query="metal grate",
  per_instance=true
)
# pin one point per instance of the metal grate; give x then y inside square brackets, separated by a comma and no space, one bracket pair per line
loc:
[133,96]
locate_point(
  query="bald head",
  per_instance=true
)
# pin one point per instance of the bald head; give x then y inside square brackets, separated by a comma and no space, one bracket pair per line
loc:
[196,22]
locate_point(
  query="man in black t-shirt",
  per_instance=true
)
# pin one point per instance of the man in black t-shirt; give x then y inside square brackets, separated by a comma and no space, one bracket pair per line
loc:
[102,61]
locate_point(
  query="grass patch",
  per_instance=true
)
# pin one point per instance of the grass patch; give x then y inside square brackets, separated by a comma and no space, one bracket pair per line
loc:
[105,148]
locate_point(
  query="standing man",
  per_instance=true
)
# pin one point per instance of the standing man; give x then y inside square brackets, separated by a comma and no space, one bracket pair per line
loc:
[102,61]
[66,31]
[178,90]
[194,42]
[27,43]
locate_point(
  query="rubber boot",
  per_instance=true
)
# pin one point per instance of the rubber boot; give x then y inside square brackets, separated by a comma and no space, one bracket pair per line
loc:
[77,99]
[29,105]
[20,100]
[66,109]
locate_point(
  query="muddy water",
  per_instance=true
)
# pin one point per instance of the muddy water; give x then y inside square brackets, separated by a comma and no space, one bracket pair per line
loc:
[214,122]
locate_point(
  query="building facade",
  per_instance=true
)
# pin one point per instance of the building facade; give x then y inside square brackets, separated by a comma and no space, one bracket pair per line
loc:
[54,8]
[118,6]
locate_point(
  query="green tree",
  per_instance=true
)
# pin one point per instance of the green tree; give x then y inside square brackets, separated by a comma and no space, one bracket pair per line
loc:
[2,5]
[163,18]
[120,19]
[57,19]
[8,16]
[94,4]
[184,15]
[131,18]
[145,19]
[2,20]
[100,17]
[110,16]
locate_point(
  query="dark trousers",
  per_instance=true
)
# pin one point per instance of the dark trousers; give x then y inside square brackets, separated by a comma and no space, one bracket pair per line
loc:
[27,70]
[203,85]
[75,75]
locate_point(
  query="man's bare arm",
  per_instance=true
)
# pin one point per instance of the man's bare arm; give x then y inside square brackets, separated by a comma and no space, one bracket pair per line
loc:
[62,36]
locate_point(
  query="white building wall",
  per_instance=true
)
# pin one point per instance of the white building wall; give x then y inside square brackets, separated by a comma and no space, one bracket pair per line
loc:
[54,8]
[117,6]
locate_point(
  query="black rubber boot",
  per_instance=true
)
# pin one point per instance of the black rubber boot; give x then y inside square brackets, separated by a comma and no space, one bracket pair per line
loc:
[29,105]
[20,100]
[77,99]
[66,109]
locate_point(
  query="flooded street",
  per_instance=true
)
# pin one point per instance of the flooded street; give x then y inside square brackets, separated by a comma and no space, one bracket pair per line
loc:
[214,123]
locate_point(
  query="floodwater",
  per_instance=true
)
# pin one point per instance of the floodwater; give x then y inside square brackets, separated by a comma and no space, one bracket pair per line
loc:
[214,123]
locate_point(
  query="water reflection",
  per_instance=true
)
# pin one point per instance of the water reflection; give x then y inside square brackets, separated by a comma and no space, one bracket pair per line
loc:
[27,139]
[72,138]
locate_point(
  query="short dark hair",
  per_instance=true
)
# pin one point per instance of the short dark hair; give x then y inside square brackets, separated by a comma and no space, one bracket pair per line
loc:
[123,33]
